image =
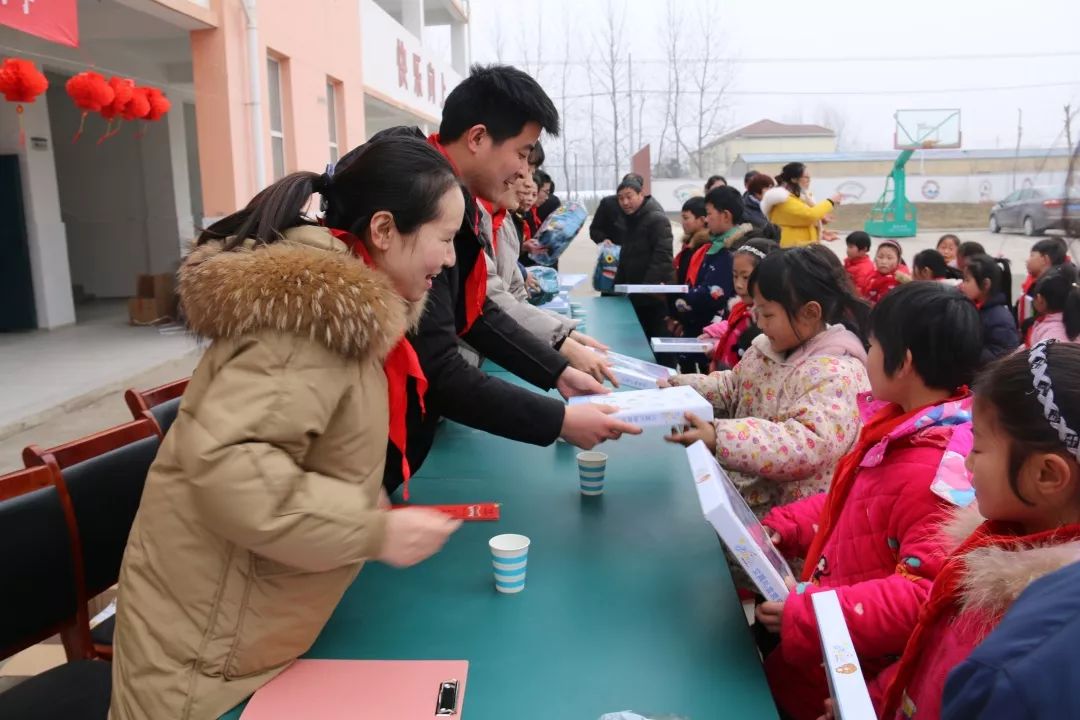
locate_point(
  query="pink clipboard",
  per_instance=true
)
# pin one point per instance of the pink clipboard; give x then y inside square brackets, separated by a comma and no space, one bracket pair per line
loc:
[351,689]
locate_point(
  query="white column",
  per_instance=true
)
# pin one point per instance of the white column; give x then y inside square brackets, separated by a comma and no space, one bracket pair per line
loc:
[412,17]
[45,231]
[178,156]
[459,48]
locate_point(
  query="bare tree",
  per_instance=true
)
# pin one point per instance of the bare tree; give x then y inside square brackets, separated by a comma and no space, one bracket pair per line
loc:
[835,119]
[673,32]
[709,84]
[569,38]
[611,50]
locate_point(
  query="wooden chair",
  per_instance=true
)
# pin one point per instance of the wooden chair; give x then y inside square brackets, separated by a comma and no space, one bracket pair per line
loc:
[160,404]
[43,596]
[103,474]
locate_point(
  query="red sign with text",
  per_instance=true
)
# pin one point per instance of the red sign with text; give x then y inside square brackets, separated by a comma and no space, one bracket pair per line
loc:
[55,20]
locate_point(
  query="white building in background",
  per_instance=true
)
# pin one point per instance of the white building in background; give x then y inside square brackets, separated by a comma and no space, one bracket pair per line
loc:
[407,70]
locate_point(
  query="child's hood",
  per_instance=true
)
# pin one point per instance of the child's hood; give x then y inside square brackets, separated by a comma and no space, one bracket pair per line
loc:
[995,576]
[773,197]
[836,341]
[946,425]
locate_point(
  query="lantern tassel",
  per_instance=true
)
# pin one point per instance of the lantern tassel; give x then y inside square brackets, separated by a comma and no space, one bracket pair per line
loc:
[108,133]
[82,124]
[22,128]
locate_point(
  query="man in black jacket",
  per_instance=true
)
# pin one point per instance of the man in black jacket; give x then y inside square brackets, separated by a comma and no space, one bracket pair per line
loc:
[646,257]
[490,123]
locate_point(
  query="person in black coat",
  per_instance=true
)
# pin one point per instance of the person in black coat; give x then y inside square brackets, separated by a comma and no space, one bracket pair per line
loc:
[481,111]
[546,200]
[756,185]
[609,221]
[987,283]
[646,257]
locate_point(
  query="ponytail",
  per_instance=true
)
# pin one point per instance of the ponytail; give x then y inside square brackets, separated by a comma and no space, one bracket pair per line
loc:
[268,215]
[1060,291]
[789,177]
[997,270]
[394,172]
[935,261]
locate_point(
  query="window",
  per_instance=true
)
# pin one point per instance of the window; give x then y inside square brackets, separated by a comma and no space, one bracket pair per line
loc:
[277,126]
[332,120]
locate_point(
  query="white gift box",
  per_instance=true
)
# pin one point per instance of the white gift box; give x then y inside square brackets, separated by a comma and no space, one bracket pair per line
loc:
[846,683]
[558,305]
[634,373]
[569,281]
[652,289]
[739,529]
[682,345]
[662,407]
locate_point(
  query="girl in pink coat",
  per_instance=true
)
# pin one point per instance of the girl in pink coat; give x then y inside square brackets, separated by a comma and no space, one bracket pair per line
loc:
[1025,472]
[788,411]
[873,538]
[1057,306]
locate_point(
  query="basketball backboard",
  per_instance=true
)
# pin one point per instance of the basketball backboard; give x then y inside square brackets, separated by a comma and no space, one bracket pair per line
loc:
[927,129]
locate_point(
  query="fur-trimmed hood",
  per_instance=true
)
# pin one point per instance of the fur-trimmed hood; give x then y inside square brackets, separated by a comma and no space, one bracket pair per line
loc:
[308,285]
[693,242]
[995,576]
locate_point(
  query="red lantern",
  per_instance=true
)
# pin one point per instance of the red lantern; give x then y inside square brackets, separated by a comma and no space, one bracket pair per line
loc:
[123,90]
[21,82]
[90,93]
[159,104]
[139,107]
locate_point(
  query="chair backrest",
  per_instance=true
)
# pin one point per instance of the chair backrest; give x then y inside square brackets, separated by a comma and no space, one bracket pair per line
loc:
[41,593]
[104,475]
[141,401]
[164,414]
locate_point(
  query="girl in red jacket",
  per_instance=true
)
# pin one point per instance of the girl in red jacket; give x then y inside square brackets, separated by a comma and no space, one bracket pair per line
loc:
[890,271]
[1027,489]
[872,537]
[733,335]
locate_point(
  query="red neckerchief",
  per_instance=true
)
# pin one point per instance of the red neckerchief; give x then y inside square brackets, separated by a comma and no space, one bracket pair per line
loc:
[497,218]
[886,420]
[696,261]
[947,589]
[476,282]
[400,364]
[740,312]
[1029,281]
[535,215]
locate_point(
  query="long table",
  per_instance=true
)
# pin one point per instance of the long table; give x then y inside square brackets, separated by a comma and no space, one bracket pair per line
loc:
[628,606]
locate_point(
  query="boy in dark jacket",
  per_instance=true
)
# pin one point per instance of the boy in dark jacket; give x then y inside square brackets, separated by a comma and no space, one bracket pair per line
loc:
[487,132]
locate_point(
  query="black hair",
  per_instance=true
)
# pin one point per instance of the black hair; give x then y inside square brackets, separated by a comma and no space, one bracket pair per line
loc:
[747,177]
[763,245]
[541,178]
[727,198]
[859,239]
[789,177]
[939,326]
[935,261]
[949,236]
[997,270]
[1006,387]
[695,206]
[536,155]
[802,275]
[635,177]
[1059,289]
[630,183]
[502,99]
[1053,248]
[714,178]
[400,174]
[969,248]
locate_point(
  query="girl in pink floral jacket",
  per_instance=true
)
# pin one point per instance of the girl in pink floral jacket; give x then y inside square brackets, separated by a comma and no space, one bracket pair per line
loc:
[788,411]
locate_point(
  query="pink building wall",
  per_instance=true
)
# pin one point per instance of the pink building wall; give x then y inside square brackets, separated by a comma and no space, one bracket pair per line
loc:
[315,41]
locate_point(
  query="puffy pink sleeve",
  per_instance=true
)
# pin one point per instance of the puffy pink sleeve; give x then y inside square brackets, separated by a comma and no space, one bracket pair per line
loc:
[796,523]
[718,388]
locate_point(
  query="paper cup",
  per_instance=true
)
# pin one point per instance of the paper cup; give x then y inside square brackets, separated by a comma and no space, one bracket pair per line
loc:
[591,468]
[509,555]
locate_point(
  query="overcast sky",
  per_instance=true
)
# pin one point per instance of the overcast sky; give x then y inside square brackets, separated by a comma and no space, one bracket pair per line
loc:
[791,61]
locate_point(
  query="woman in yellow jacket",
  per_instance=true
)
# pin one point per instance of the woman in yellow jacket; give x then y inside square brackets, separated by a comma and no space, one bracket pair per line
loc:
[788,208]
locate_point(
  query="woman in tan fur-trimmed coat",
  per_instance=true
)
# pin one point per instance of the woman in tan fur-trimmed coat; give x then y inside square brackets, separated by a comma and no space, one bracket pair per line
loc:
[265,498]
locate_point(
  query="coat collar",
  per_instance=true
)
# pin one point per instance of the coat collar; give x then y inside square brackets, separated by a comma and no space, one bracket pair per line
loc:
[308,285]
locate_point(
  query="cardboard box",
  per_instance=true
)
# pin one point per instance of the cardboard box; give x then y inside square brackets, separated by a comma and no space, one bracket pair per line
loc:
[653,408]
[155,299]
[634,373]
[662,345]
[846,683]
[739,529]
[652,289]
